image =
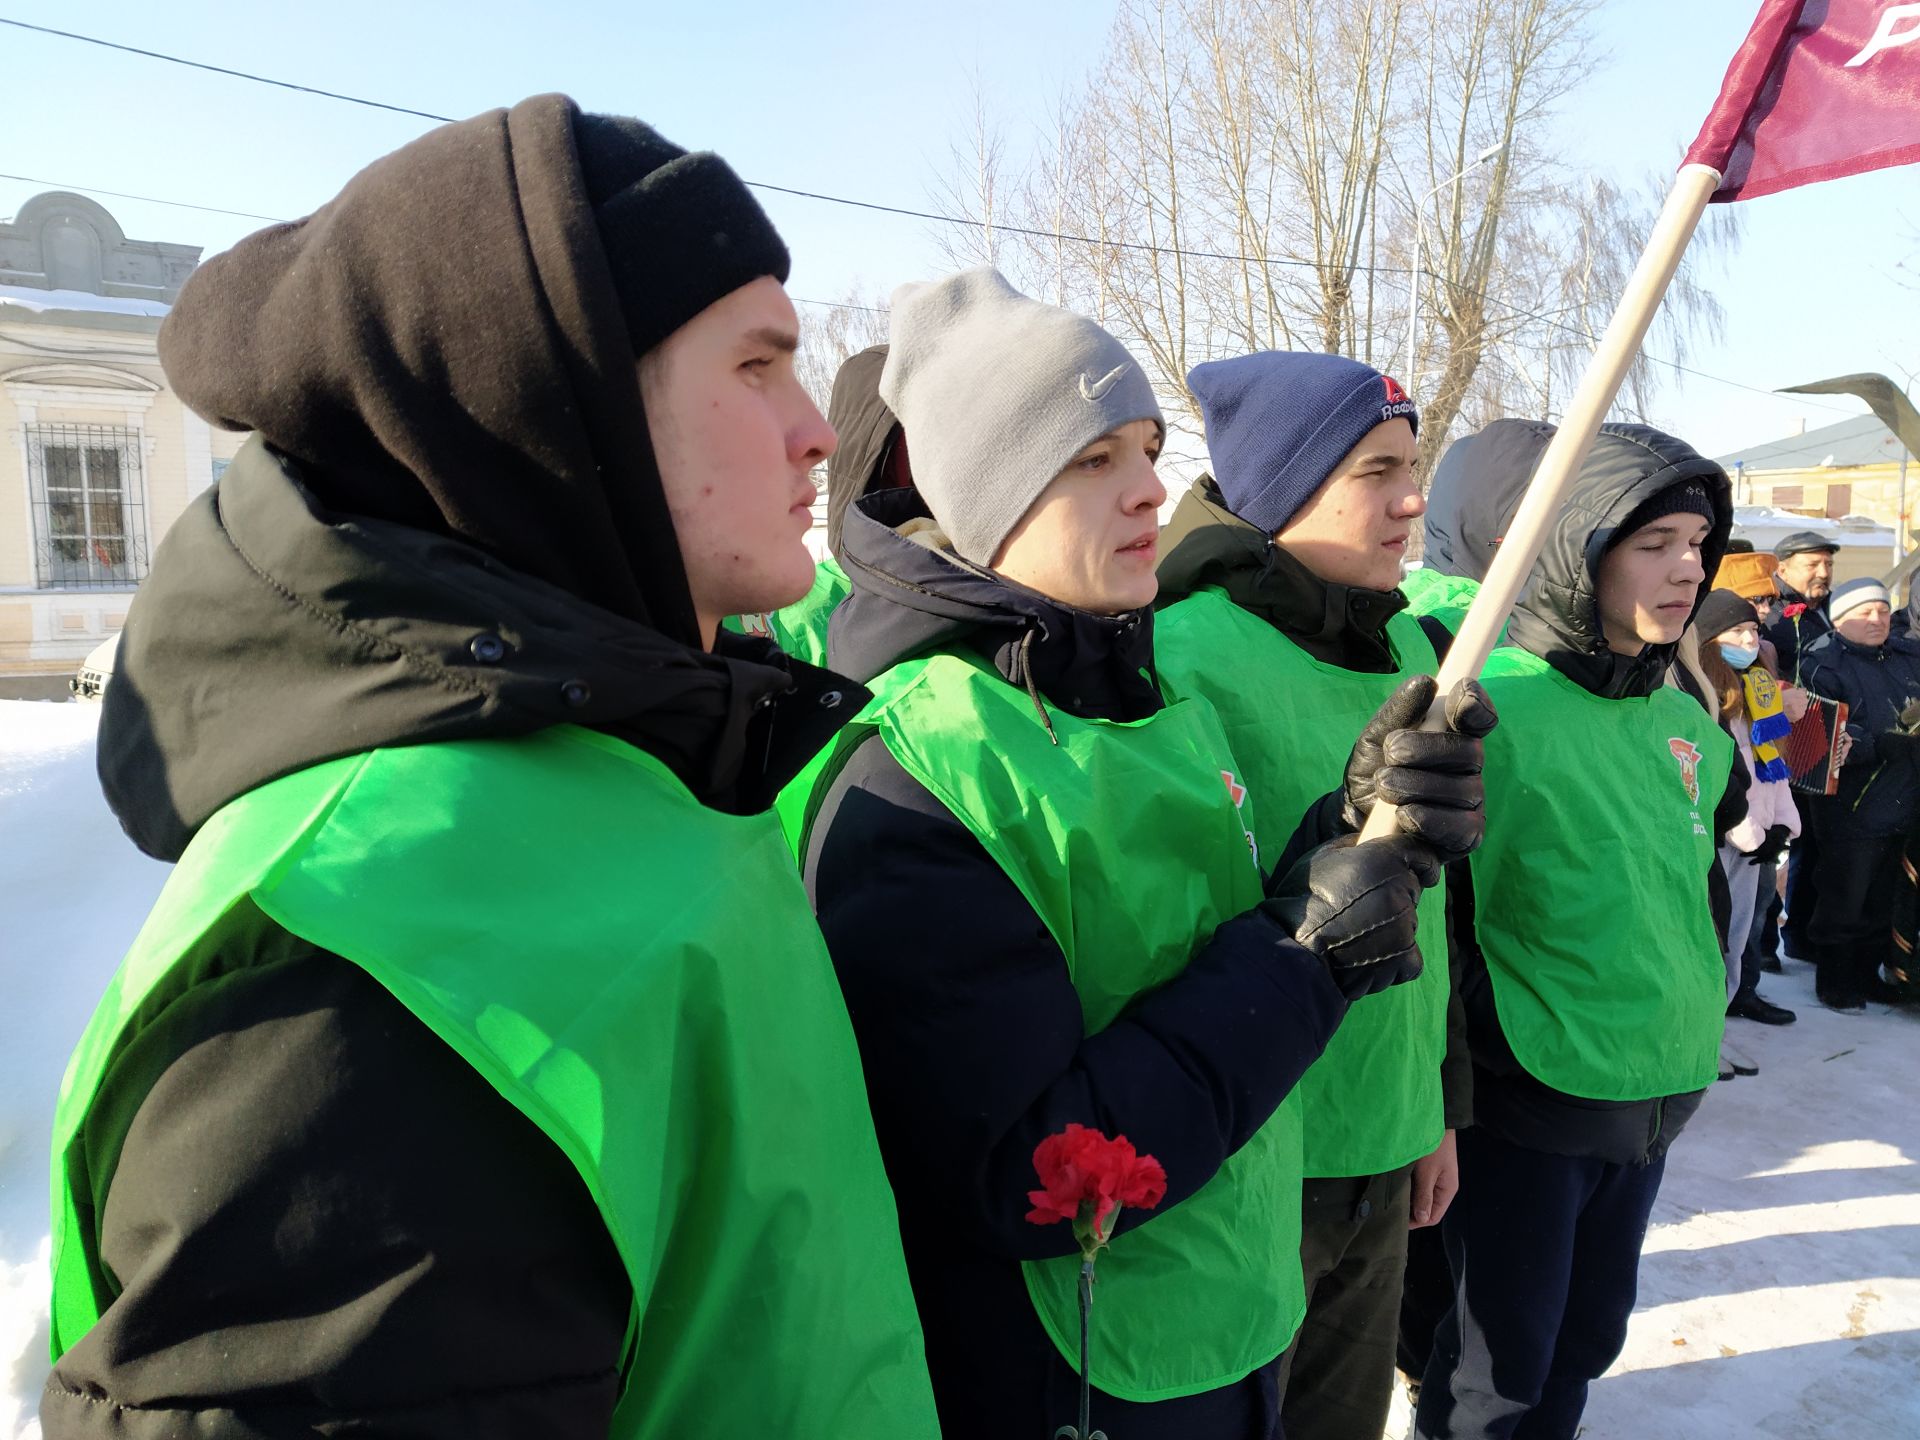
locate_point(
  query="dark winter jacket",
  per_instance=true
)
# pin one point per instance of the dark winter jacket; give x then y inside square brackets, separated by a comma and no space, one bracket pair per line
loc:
[870,437]
[1793,636]
[1558,620]
[320,1218]
[1476,487]
[1345,625]
[969,1026]
[1879,786]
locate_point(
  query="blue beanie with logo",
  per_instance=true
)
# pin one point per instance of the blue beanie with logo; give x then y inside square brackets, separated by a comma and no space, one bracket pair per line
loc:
[1278,421]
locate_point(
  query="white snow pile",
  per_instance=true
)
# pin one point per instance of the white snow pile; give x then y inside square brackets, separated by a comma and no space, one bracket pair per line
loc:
[73,893]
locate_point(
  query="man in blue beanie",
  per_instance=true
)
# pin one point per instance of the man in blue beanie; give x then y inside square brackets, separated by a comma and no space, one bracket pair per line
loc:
[1282,607]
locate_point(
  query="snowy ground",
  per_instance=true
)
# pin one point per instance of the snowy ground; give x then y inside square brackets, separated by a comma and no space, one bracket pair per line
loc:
[1779,1299]
[1780,1290]
[73,892]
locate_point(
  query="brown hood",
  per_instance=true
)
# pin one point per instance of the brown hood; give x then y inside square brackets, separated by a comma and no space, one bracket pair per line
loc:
[441,346]
[866,427]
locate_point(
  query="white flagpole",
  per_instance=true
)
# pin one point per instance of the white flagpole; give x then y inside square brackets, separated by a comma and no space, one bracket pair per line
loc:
[1686,202]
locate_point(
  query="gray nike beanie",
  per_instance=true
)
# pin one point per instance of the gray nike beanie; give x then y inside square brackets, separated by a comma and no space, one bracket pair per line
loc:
[998,393]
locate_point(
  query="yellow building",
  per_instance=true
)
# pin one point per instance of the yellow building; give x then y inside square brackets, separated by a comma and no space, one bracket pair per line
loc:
[97,456]
[1854,467]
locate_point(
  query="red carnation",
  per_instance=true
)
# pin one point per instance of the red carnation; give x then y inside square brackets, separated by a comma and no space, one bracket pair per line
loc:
[1795,610]
[1086,1176]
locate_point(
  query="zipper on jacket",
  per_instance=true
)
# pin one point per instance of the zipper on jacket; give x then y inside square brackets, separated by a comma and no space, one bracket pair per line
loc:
[1653,1133]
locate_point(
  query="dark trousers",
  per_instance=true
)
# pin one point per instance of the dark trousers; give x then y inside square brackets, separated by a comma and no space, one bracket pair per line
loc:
[1545,1252]
[1425,1296]
[1853,925]
[1336,1379]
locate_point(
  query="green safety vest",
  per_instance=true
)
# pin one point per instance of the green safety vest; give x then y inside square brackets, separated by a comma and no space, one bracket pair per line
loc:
[1590,889]
[1444,597]
[800,629]
[1373,1100]
[637,974]
[1130,842]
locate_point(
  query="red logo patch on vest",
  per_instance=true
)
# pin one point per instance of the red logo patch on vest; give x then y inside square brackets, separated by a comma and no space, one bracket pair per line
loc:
[1235,789]
[1689,758]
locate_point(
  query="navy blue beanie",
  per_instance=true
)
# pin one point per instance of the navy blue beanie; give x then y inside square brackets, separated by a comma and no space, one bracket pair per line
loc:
[1279,421]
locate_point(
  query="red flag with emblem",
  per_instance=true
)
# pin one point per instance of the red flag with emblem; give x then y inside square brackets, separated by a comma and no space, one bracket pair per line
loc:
[1821,89]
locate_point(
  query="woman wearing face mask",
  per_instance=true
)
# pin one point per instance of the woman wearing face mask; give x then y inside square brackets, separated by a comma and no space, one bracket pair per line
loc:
[1757,710]
[1037,885]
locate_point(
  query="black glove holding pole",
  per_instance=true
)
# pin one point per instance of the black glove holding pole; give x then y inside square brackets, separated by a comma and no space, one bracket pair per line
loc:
[1355,906]
[1432,776]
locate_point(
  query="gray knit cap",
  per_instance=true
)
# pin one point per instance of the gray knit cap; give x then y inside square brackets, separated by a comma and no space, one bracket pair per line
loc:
[997,393]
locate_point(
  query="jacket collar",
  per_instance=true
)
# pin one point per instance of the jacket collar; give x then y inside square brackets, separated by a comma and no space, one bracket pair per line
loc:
[1207,544]
[910,600]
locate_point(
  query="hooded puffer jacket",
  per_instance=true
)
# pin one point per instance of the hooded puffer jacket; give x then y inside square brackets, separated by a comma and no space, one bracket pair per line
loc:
[1558,620]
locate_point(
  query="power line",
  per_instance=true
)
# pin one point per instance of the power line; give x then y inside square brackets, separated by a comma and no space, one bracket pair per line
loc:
[1286,260]
[148,199]
[1290,260]
[220,69]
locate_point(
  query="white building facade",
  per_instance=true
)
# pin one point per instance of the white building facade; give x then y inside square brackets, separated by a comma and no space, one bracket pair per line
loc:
[97,456]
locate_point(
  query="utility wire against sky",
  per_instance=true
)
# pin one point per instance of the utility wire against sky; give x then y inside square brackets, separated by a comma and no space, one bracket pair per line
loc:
[1286,260]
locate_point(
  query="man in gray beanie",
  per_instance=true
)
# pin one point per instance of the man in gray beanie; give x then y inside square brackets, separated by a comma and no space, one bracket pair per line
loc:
[999,392]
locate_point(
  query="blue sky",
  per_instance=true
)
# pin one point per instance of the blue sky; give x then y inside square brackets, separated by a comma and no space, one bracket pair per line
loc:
[862,99]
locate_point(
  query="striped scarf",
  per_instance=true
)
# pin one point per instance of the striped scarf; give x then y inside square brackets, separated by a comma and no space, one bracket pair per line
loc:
[1767,721]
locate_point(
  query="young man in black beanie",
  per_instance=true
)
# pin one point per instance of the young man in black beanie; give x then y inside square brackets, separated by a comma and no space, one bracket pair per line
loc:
[1590,942]
[480,1071]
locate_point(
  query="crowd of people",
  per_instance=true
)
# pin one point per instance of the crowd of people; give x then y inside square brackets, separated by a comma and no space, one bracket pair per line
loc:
[618,974]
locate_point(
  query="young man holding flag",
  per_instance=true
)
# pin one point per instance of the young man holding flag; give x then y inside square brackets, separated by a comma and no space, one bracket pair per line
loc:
[1281,609]
[1593,980]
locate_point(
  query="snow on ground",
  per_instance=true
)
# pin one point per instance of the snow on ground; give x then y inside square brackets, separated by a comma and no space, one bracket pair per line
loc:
[1780,1288]
[73,893]
[1779,1298]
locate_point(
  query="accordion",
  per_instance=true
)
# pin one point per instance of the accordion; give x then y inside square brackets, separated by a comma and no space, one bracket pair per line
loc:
[1812,747]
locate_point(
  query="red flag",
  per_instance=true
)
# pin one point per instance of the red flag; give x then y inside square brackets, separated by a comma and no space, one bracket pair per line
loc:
[1821,89]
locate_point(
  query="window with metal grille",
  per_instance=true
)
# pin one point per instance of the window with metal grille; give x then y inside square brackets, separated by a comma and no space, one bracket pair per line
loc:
[89,507]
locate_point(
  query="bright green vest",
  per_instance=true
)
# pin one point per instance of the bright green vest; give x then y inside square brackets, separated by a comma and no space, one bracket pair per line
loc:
[1444,597]
[1590,890]
[800,629]
[636,973]
[1373,1099]
[1130,843]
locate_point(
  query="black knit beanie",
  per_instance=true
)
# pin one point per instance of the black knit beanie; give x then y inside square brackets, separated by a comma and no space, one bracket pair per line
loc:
[680,230]
[1689,497]
[1721,611]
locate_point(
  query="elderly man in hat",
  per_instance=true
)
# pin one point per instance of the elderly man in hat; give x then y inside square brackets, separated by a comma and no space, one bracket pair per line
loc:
[1863,826]
[1797,615]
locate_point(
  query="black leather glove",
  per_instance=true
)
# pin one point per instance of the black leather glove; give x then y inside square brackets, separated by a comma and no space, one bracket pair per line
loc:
[1433,778]
[1354,905]
[1770,846]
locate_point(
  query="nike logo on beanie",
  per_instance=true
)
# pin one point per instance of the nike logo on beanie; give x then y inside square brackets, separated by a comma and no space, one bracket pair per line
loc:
[1100,387]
